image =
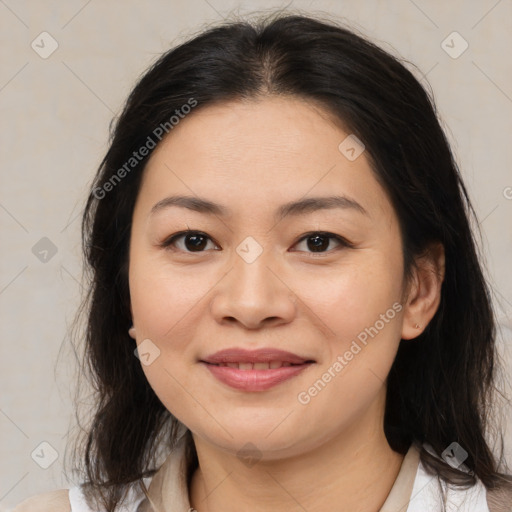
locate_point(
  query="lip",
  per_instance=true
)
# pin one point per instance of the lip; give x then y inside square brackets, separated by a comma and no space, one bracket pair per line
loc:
[262,355]
[255,380]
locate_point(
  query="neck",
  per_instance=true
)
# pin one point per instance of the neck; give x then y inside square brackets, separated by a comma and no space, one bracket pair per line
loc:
[353,471]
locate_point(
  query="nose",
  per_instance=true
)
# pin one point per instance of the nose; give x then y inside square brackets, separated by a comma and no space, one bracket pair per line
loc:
[253,295]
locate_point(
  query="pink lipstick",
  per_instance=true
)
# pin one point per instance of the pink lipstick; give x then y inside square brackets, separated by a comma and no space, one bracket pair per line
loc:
[255,370]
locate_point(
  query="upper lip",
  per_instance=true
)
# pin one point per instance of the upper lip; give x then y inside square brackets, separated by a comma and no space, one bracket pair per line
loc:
[262,355]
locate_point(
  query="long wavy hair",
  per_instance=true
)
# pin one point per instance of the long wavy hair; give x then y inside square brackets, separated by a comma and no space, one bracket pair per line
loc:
[441,385]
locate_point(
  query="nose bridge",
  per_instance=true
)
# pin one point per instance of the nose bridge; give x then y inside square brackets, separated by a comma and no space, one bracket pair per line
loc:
[253,277]
[253,290]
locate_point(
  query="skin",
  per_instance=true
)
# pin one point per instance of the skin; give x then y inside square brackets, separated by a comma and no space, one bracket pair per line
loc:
[252,157]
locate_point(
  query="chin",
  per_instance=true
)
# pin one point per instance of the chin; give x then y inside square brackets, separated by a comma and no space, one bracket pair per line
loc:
[266,441]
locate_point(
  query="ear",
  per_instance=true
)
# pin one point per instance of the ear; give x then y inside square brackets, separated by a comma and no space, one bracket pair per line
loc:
[424,291]
[131,330]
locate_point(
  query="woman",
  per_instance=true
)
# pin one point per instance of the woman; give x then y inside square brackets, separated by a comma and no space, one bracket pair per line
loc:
[280,228]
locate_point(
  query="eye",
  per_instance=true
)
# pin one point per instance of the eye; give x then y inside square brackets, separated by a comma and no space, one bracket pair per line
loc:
[318,241]
[194,241]
[197,241]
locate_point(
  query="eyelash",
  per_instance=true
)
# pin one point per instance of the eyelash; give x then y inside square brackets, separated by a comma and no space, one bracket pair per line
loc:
[168,242]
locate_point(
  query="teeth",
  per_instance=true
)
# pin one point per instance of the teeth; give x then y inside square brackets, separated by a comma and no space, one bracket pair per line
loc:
[272,365]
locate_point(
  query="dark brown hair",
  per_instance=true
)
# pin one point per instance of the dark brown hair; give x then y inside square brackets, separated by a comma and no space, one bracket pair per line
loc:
[440,385]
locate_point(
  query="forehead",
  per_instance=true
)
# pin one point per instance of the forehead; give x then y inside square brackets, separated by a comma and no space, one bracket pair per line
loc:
[260,152]
[252,131]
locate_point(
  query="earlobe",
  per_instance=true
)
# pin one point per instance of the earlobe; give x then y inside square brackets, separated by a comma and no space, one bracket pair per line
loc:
[425,291]
[131,330]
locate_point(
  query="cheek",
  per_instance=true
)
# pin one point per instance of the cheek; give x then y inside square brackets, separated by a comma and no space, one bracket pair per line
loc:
[361,310]
[165,305]
[347,301]
[163,298]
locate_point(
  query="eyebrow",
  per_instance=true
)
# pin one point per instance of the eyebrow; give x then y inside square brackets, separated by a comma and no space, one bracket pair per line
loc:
[299,207]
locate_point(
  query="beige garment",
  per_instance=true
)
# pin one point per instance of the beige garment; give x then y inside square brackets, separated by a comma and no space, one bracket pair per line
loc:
[168,490]
[55,501]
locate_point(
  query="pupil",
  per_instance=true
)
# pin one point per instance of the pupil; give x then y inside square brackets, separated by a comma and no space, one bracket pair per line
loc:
[317,244]
[195,241]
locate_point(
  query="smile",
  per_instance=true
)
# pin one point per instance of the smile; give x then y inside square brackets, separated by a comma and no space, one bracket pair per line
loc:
[272,365]
[252,377]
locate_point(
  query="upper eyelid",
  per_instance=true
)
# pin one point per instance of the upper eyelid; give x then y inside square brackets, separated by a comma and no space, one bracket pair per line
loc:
[338,238]
[171,239]
[342,241]
[187,232]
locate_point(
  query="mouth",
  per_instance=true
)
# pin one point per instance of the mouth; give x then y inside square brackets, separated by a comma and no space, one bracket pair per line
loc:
[271,365]
[271,357]
[255,370]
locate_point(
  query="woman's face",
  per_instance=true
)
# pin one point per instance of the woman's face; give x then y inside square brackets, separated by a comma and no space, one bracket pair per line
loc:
[260,276]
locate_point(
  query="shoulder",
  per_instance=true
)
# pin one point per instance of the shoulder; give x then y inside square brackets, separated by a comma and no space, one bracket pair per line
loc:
[500,499]
[55,501]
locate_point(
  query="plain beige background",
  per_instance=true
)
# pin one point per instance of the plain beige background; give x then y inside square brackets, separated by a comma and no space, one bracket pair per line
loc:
[55,115]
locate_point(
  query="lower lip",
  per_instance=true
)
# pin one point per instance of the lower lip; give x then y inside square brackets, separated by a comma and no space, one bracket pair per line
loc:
[254,380]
